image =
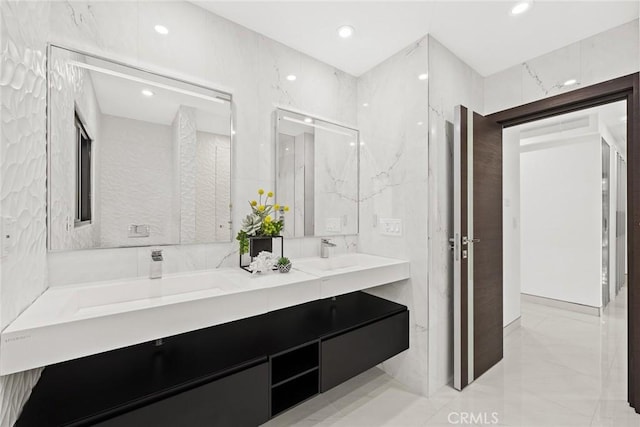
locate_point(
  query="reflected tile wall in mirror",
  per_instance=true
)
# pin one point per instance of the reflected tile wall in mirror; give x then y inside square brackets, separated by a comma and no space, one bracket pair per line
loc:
[317,165]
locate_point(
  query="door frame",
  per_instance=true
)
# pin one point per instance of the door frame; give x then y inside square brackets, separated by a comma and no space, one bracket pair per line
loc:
[626,88]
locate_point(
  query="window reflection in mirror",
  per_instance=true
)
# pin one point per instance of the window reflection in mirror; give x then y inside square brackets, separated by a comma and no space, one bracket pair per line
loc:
[135,158]
[84,177]
[317,175]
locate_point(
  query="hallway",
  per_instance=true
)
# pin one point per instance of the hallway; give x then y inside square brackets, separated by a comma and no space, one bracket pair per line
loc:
[560,368]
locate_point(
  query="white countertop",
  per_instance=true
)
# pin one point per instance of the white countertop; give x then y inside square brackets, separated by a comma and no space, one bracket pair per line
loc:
[67,322]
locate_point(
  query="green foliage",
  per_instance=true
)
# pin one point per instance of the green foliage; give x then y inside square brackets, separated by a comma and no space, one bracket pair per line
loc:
[243,239]
[251,224]
[283,261]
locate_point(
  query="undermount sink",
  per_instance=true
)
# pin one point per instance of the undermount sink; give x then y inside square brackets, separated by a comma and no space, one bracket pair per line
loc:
[329,264]
[131,293]
[348,272]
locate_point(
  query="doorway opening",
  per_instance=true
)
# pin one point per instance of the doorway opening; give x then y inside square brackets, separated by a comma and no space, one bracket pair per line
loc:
[565,252]
[626,89]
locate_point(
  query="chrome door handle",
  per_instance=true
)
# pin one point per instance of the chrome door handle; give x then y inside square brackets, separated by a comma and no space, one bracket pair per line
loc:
[466,240]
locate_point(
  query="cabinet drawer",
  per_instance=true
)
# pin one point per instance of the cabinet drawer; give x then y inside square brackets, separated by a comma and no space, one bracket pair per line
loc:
[354,352]
[238,400]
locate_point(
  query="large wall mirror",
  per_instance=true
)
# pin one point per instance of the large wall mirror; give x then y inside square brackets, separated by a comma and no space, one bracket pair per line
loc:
[317,175]
[134,158]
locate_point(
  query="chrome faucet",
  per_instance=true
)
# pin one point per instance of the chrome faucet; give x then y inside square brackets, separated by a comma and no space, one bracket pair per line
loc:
[325,244]
[155,271]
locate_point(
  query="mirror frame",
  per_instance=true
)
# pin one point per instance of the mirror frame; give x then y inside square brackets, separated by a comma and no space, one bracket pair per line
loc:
[276,116]
[227,96]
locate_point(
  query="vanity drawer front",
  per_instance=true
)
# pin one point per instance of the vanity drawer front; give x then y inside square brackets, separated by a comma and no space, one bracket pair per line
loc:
[354,352]
[240,399]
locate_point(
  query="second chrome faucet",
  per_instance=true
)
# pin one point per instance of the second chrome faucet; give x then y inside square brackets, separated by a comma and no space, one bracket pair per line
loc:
[325,244]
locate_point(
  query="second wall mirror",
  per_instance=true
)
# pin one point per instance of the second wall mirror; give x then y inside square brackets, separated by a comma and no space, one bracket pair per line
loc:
[317,170]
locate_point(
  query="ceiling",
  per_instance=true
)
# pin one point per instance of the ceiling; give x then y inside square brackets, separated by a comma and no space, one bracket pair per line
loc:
[484,34]
[121,97]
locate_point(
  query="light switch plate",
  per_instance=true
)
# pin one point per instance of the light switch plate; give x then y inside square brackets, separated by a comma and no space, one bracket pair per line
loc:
[391,226]
[333,225]
[7,230]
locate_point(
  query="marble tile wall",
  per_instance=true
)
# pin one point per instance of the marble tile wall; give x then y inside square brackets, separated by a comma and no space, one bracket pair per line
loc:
[451,83]
[393,119]
[335,182]
[23,36]
[613,53]
[207,49]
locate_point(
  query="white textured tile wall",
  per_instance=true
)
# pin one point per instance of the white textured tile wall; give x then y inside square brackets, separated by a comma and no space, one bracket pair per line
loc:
[207,49]
[605,56]
[72,91]
[393,184]
[135,182]
[213,181]
[23,35]
[451,83]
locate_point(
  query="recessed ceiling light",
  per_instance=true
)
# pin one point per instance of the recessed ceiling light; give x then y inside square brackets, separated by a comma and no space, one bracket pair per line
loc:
[147,92]
[423,76]
[161,29]
[365,104]
[308,120]
[291,77]
[353,144]
[346,31]
[361,142]
[520,7]
[420,123]
[570,82]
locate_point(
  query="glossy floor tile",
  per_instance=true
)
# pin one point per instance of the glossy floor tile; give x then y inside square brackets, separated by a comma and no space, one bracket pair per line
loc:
[560,368]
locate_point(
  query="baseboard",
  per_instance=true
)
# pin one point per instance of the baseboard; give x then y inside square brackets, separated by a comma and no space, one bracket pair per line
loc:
[515,324]
[565,305]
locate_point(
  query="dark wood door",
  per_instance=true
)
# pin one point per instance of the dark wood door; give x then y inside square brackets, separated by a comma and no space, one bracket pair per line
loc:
[477,246]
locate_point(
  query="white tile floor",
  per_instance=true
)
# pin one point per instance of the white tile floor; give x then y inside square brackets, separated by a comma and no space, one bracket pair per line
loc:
[560,368]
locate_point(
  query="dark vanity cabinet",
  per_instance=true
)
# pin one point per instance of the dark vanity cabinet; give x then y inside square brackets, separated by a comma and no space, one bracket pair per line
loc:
[240,373]
[240,399]
[351,353]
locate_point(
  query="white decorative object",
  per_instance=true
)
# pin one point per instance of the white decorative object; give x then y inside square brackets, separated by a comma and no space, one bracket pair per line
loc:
[265,261]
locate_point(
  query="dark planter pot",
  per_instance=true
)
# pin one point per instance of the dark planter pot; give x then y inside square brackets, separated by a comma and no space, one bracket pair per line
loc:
[259,244]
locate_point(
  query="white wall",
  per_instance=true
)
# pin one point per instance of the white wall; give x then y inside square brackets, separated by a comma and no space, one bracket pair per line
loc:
[511,225]
[561,216]
[393,184]
[23,36]
[135,181]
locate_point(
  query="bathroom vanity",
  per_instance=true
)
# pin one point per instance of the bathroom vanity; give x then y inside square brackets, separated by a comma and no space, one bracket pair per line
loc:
[240,373]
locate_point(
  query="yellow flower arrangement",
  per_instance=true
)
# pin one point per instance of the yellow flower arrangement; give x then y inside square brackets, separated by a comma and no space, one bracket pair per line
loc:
[260,222]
